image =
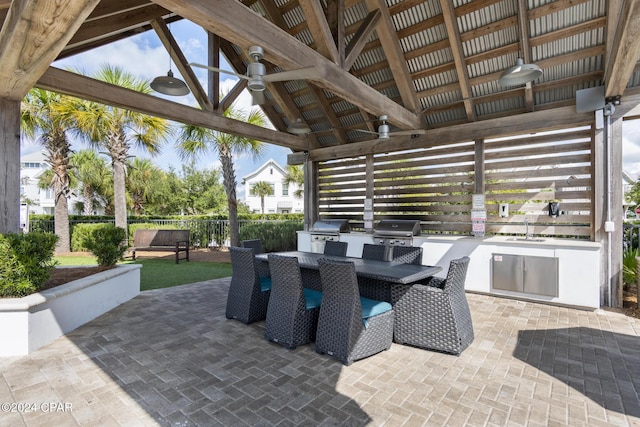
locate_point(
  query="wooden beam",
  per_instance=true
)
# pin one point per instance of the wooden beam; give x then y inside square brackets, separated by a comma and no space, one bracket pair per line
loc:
[523,27]
[115,7]
[359,40]
[241,26]
[314,14]
[395,56]
[458,56]
[231,96]
[625,49]
[502,126]
[114,24]
[10,165]
[213,78]
[83,87]
[33,34]
[179,59]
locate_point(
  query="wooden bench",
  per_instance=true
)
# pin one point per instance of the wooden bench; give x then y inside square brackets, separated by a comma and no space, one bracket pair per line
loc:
[161,240]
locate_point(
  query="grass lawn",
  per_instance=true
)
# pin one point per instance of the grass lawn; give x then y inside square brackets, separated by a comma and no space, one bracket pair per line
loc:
[161,273]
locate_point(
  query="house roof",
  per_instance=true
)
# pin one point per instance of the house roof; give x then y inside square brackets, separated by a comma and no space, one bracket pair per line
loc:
[268,163]
[426,64]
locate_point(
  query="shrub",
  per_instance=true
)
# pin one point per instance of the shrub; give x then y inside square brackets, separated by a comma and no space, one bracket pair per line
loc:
[629,267]
[82,232]
[26,261]
[107,243]
[275,237]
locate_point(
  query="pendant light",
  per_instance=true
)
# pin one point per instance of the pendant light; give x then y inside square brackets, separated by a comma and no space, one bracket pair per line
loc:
[168,84]
[298,128]
[519,74]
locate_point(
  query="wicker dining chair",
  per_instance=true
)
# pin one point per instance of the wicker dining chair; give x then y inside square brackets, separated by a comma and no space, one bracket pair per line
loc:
[256,245]
[335,248]
[407,255]
[350,327]
[248,296]
[435,314]
[375,252]
[292,316]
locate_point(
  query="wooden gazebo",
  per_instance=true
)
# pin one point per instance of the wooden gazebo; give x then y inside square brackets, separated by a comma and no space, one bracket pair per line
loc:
[432,67]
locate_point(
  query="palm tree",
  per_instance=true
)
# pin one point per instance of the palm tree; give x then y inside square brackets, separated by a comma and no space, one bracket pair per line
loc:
[91,173]
[39,116]
[117,130]
[262,189]
[142,181]
[194,141]
[295,175]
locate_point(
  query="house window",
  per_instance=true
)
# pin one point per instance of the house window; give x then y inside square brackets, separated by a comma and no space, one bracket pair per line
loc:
[271,171]
[285,189]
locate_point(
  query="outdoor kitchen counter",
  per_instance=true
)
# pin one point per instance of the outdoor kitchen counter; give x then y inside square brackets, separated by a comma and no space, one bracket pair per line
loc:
[579,267]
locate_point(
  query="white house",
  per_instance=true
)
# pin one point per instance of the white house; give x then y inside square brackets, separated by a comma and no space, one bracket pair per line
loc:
[283,199]
[32,166]
[34,200]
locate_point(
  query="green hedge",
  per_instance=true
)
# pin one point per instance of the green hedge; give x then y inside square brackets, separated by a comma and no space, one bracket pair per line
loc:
[275,237]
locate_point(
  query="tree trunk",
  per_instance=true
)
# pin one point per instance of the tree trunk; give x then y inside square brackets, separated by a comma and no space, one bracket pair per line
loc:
[119,194]
[87,195]
[61,222]
[229,180]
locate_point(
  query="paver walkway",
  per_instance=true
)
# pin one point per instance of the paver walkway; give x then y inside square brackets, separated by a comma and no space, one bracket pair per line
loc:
[170,357]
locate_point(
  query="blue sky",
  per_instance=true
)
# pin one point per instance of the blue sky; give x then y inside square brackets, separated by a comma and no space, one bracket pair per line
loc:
[145,56]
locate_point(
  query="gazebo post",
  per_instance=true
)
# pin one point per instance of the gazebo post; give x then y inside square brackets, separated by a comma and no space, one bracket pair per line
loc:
[10,165]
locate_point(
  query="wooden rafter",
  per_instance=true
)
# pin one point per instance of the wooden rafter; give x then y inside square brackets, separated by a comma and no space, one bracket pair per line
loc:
[395,57]
[241,26]
[319,28]
[178,58]
[458,55]
[625,49]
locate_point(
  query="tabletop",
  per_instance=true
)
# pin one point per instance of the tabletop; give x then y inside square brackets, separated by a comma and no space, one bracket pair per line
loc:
[389,271]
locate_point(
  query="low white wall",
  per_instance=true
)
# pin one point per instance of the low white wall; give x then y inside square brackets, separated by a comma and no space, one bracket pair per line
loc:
[31,322]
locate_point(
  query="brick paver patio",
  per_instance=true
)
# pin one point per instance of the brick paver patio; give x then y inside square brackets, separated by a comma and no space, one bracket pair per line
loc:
[170,357]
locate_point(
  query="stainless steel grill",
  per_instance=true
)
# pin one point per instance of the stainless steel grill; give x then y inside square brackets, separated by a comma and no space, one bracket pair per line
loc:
[327,230]
[396,232]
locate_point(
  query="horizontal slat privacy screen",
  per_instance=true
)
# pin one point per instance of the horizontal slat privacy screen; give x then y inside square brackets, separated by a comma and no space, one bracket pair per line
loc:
[435,185]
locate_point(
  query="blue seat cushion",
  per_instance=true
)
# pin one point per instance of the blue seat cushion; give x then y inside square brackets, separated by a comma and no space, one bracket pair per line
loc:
[265,283]
[371,307]
[312,299]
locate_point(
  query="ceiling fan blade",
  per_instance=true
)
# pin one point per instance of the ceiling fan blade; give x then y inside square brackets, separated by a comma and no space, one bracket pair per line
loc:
[408,132]
[366,131]
[219,70]
[299,74]
[257,97]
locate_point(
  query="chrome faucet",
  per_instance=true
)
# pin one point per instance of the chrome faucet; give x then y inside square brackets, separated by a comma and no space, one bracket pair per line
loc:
[527,236]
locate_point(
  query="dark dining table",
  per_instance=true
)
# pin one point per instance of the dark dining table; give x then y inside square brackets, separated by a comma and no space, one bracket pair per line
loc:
[375,278]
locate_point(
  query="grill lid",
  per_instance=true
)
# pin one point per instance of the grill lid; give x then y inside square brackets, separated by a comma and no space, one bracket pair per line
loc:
[331,226]
[398,227]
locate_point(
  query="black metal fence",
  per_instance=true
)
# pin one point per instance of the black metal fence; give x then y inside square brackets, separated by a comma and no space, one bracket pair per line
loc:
[631,236]
[203,233]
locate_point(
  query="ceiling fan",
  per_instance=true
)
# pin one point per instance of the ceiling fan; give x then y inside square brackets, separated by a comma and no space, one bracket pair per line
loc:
[384,133]
[257,74]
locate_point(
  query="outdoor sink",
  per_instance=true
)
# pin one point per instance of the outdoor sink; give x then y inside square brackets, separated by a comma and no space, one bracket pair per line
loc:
[524,239]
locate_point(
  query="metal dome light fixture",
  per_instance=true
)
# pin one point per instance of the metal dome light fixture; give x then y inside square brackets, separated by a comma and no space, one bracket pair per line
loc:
[519,74]
[298,128]
[168,84]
